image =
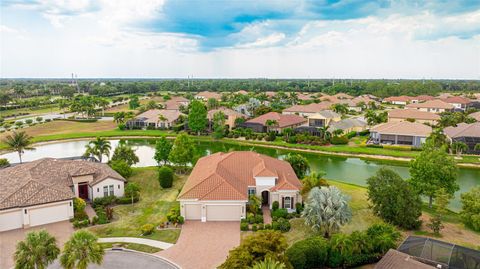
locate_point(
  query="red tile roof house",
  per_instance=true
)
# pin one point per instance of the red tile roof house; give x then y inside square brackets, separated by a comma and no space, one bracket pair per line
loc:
[398,100]
[421,98]
[176,102]
[397,115]
[458,102]
[220,184]
[207,95]
[435,106]
[307,110]
[400,133]
[259,124]
[41,192]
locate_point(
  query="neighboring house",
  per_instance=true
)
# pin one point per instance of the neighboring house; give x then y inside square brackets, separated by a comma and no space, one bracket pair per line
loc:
[348,125]
[475,115]
[397,115]
[351,104]
[395,259]
[342,95]
[323,118]
[421,98]
[466,133]
[307,110]
[458,102]
[304,97]
[398,100]
[176,102]
[207,95]
[42,191]
[220,184]
[259,124]
[230,116]
[155,118]
[435,106]
[400,133]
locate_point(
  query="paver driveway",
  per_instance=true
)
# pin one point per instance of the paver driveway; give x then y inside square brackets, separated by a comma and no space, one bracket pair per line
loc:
[203,245]
[8,240]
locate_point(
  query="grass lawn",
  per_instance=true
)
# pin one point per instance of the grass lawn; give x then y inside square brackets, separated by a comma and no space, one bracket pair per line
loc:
[32,112]
[132,246]
[152,208]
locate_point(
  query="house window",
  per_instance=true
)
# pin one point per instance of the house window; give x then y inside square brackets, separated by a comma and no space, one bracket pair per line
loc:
[251,191]
[287,202]
[118,186]
[111,190]
[98,189]
[105,191]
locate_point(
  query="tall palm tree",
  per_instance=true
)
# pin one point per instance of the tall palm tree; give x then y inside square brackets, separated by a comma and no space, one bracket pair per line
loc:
[98,148]
[37,251]
[458,147]
[270,124]
[81,250]
[19,142]
[269,263]
[103,104]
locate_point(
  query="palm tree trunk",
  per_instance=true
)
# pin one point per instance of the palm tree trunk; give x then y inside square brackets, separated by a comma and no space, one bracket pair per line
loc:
[430,200]
[20,156]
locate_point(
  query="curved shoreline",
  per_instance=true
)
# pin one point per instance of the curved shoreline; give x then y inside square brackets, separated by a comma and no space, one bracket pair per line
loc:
[260,144]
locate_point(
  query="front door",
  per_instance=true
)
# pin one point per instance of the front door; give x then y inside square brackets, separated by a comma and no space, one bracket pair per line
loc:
[83,191]
[265,197]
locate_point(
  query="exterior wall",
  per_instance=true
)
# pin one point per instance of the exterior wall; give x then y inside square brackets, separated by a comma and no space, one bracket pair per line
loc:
[277,196]
[118,188]
[205,204]
[434,110]
[11,219]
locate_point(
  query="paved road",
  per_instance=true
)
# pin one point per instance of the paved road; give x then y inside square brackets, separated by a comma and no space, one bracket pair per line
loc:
[127,260]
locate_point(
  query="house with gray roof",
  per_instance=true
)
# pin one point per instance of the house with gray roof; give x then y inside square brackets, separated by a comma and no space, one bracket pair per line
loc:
[466,133]
[348,125]
[42,191]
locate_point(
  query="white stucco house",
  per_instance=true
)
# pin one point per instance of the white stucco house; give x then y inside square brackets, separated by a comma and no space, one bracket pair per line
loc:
[42,191]
[220,184]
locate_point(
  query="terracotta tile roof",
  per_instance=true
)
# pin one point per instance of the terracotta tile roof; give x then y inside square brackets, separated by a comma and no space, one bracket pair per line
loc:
[46,180]
[342,95]
[403,128]
[457,100]
[175,102]
[423,98]
[463,130]
[226,111]
[431,104]
[226,176]
[412,114]
[208,95]
[310,108]
[282,120]
[153,115]
[475,115]
[304,97]
[402,98]
[364,98]
[395,259]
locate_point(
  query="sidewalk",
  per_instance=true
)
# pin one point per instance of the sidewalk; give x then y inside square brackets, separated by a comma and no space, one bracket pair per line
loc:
[267,218]
[143,241]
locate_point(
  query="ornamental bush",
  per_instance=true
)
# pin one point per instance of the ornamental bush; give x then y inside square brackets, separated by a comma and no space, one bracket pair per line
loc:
[309,253]
[275,205]
[339,140]
[243,226]
[147,229]
[280,213]
[165,177]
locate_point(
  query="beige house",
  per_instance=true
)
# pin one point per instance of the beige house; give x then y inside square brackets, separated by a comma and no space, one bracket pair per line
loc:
[176,102]
[42,191]
[397,115]
[207,95]
[307,110]
[400,133]
[323,118]
[348,125]
[230,115]
[435,106]
[156,118]
[281,122]
[220,184]
[398,100]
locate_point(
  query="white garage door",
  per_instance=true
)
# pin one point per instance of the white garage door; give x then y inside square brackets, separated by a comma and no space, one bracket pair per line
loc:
[11,220]
[49,214]
[224,212]
[193,212]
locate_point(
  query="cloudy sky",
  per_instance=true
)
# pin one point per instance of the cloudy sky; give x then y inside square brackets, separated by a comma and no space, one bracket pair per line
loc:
[240,39]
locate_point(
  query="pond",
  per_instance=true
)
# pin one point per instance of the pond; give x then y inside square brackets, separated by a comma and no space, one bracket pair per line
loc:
[345,169]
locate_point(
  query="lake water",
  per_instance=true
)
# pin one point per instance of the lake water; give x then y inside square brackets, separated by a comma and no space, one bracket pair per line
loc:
[345,169]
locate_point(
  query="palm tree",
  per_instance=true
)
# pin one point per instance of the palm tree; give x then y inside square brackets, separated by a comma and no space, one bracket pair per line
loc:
[477,146]
[270,123]
[268,263]
[37,251]
[338,132]
[325,134]
[63,104]
[103,104]
[98,148]
[19,142]
[81,250]
[342,244]
[458,147]
[326,210]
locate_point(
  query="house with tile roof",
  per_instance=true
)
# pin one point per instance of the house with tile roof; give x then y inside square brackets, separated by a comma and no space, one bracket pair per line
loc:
[281,121]
[156,118]
[458,102]
[397,115]
[42,191]
[230,116]
[435,106]
[348,125]
[207,95]
[220,184]
[176,102]
[466,133]
[398,100]
[421,98]
[323,118]
[475,115]
[400,133]
[307,110]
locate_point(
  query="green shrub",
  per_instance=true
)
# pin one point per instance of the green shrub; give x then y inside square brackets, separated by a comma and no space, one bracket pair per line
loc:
[48,120]
[243,226]
[28,121]
[122,127]
[283,225]
[351,134]
[261,226]
[39,119]
[309,253]
[291,215]
[4,162]
[19,123]
[298,208]
[280,213]
[471,208]
[79,204]
[101,216]
[80,215]
[275,205]
[339,140]
[258,219]
[374,146]
[81,223]
[180,220]
[121,167]
[147,229]
[244,220]
[165,177]
[268,226]
[104,201]
[254,227]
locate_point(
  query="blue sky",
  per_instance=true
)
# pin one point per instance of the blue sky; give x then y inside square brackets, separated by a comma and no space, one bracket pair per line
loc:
[277,39]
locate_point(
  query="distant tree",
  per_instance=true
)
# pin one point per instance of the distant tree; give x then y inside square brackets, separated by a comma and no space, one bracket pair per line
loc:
[255,248]
[81,250]
[37,251]
[162,150]
[311,181]
[165,177]
[151,105]
[122,117]
[197,117]
[218,125]
[134,102]
[326,210]
[183,150]
[19,142]
[393,199]
[477,146]
[342,245]
[431,170]
[299,164]
[4,98]
[471,208]
[125,153]
[121,167]
[437,138]
[103,104]
[63,104]
[374,118]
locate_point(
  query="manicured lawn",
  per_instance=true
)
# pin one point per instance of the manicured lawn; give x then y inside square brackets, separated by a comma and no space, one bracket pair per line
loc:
[132,246]
[34,111]
[152,208]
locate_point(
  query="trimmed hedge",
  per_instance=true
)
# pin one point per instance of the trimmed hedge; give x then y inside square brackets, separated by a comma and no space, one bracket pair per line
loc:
[165,177]
[339,140]
[309,253]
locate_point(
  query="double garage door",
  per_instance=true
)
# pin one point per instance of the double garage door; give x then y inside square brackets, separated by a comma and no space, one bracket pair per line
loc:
[214,212]
[10,220]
